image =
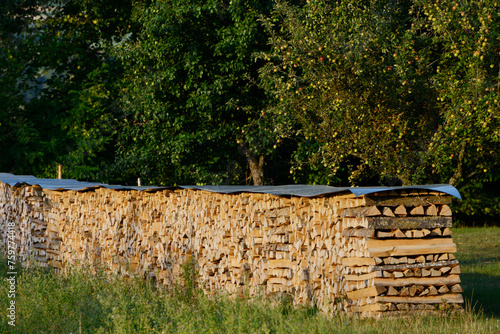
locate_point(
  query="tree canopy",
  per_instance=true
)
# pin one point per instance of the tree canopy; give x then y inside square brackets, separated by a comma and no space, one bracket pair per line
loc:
[192,109]
[58,84]
[406,92]
[262,92]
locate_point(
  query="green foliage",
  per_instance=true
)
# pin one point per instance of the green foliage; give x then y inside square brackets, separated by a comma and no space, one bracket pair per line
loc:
[24,136]
[403,92]
[343,73]
[188,288]
[465,148]
[55,303]
[60,86]
[210,92]
[82,31]
[190,101]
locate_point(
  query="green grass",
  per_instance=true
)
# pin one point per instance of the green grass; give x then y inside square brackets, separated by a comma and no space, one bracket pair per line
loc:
[479,257]
[78,302]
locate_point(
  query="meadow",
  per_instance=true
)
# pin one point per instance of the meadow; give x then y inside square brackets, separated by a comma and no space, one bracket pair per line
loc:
[80,302]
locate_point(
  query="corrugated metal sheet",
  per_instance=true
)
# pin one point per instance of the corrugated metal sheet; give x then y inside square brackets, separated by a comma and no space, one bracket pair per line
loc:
[301,190]
[304,190]
[66,184]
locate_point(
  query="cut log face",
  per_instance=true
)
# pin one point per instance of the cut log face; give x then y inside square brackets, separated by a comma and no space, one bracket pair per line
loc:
[400,210]
[431,210]
[445,211]
[390,252]
[417,211]
[388,212]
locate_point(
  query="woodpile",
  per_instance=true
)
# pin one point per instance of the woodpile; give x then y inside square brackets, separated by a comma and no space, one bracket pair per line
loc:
[405,259]
[21,213]
[372,254]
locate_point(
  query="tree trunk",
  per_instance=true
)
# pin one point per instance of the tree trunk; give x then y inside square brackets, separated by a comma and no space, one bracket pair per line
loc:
[459,172]
[255,162]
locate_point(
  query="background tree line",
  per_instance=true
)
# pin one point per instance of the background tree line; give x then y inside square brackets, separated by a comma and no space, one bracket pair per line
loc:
[255,92]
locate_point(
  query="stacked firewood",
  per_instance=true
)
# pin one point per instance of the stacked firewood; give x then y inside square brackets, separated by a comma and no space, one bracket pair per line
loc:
[408,261]
[387,252]
[22,222]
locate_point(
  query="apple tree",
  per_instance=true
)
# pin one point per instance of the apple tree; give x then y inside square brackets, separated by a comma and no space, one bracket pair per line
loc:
[396,92]
[353,80]
[465,148]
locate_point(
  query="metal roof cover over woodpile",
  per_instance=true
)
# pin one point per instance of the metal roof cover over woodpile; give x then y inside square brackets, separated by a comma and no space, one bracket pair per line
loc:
[371,251]
[301,190]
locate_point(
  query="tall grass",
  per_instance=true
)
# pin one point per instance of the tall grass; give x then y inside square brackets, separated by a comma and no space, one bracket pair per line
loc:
[80,302]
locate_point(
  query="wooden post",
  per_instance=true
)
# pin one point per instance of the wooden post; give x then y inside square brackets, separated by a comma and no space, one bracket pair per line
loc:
[59,171]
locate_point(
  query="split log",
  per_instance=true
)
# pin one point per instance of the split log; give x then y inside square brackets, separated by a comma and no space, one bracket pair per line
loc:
[407,201]
[424,222]
[388,212]
[400,210]
[407,250]
[451,263]
[417,211]
[445,211]
[447,280]
[362,212]
[448,298]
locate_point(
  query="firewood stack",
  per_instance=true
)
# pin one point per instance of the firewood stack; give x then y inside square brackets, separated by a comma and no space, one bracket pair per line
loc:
[372,254]
[21,222]
[407,247]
